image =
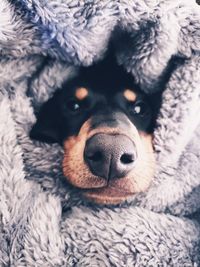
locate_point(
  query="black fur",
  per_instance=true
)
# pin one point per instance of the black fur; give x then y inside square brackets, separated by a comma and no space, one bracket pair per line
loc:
[106,82]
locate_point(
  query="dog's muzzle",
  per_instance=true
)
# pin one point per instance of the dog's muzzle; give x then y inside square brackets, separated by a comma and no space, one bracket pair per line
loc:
[109,160]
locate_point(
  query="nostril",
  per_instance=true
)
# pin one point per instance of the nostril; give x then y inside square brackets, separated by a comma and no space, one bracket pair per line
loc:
[110,156]
[96,156]
[127,158]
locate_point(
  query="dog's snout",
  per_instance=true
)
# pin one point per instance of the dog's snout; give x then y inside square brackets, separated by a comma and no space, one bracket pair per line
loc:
[110,156]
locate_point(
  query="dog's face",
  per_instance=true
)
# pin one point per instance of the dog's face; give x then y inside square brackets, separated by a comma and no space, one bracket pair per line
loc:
[105,127]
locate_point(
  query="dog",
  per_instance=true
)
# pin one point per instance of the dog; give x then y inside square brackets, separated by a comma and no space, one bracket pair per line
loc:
[105,124]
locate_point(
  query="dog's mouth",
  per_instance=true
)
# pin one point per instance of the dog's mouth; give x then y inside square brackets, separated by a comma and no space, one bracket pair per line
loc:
[114,192]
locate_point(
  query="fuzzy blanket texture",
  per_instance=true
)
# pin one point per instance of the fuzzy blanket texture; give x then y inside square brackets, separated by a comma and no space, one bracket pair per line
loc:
[43,221]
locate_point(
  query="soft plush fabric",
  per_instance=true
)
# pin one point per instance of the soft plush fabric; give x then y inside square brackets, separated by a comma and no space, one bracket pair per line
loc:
[43,221]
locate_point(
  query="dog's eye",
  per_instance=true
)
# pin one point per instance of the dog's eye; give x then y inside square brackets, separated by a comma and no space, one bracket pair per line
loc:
[139,108]
[73,106]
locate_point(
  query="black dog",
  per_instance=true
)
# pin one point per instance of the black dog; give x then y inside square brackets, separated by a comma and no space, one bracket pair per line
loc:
[105,125]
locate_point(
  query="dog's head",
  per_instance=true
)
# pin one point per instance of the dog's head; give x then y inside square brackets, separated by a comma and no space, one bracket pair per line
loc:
[105,126]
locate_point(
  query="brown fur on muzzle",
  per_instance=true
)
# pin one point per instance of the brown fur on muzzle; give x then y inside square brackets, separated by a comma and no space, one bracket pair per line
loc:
[99,189]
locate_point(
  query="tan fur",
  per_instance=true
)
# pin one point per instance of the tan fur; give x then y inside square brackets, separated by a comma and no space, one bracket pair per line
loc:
[81,93]
[79,175]
[130,95]
[74,167]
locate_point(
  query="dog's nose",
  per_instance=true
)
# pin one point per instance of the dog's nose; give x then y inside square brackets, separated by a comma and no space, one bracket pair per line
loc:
[110,156]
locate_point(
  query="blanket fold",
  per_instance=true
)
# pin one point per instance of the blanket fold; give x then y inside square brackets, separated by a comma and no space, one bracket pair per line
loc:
[45,222]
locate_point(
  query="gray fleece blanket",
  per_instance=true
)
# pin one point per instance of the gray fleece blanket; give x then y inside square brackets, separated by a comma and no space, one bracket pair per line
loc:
[43,221]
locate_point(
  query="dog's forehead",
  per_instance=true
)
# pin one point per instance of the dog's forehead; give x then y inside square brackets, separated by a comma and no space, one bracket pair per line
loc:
[108,83]
[103,77]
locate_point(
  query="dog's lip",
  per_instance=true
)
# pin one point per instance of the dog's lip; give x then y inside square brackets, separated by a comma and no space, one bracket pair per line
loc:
[108,190]
[114,193]
[107,195]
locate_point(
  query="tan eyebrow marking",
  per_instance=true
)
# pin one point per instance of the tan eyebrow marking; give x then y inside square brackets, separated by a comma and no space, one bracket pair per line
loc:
[81,93]
[130,95]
